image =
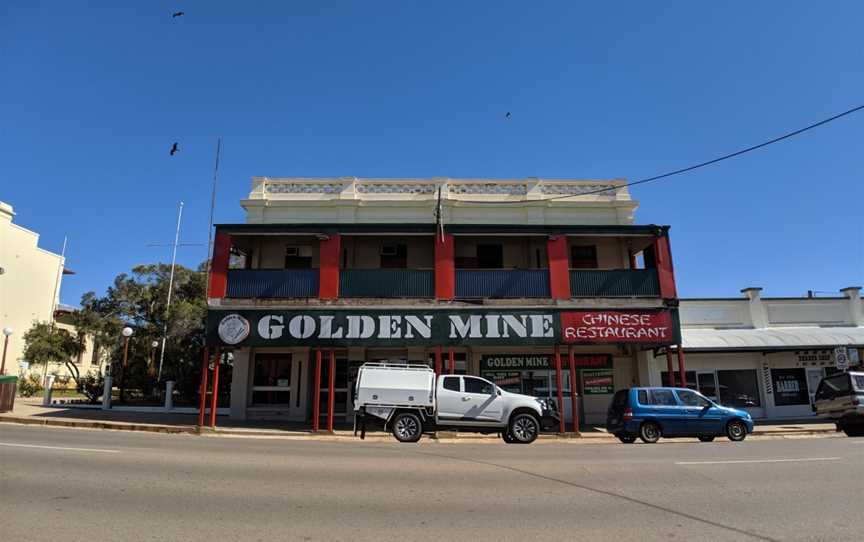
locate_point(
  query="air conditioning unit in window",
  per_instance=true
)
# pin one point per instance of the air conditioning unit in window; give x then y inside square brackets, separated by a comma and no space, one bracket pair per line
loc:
[298,251]
[389,250]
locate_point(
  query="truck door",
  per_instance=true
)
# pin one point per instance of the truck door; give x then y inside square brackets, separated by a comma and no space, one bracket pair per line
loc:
[449,398]
[481,401]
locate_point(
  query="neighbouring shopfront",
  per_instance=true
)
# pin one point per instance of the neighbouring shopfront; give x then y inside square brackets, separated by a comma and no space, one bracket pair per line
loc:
[283,359]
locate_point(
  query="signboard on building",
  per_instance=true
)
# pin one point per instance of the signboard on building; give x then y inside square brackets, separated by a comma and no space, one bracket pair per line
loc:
[790,387]
[598,382]
[416,327]
[841,358]
[498,362]
[617,327]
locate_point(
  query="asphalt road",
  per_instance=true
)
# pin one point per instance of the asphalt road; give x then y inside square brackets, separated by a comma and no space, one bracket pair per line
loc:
[67,484]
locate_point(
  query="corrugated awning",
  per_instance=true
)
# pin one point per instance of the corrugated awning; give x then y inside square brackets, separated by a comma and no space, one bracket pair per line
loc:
[780,338]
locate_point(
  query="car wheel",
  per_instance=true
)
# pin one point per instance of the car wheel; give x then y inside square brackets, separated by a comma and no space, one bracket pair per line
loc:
[649,432]
[627,439]
[507,437]
[524,428]
[854,430]
[706,438]
[736,431]
[407,427]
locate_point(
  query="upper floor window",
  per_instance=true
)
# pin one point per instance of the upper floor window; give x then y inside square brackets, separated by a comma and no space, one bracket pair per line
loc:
[583,257]
[490,256]
[298,257]
[394,256]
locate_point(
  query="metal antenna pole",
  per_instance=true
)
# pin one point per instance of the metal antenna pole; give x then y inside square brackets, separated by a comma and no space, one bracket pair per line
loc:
[170,288]
[212,211]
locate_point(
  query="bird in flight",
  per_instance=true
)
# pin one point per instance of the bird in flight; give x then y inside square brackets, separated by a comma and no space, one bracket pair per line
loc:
[177,14]
[507,116]
[174,149]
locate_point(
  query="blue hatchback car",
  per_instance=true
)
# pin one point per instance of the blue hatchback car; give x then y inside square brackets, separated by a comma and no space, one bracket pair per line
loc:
[651,413]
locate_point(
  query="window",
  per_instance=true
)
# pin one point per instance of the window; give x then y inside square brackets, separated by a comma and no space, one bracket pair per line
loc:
[583,257]
[238,259]
[620,398]
[271,383]
[692,399]
[689,377]
[394,256]
[477,385]
[643,397]
[298,257]
[858,380]
[790,387]
[451,383]
[663,398]
[490,256]
[739,388]
[839,384]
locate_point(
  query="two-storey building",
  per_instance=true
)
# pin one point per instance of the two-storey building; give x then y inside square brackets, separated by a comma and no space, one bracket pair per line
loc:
[546,287]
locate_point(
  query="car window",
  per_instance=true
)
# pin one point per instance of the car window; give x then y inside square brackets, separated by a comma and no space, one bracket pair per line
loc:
[693,399]
[858,380]
[477,385]
[643,397]
[620,398]
[824,392]
[663,398]
[451,383]
[838,384]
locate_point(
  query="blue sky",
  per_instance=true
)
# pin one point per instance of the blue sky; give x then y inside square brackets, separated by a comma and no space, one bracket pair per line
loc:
[92,95]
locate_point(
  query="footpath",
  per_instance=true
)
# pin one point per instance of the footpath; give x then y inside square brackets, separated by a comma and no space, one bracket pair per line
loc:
[30,411]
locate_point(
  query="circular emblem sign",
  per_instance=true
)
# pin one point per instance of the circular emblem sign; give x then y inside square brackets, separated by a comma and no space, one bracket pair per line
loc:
[233,329]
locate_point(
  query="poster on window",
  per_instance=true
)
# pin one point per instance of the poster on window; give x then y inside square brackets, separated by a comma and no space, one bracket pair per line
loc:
[598,382]
[790,387]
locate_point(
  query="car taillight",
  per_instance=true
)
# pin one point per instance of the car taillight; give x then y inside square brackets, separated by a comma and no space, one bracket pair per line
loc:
[628,413]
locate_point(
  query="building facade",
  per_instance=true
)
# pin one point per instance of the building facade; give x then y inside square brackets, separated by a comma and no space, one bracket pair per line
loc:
[518,281]
[766,355]
[29,285]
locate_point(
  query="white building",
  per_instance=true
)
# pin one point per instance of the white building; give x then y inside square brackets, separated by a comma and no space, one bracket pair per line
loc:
[766,354]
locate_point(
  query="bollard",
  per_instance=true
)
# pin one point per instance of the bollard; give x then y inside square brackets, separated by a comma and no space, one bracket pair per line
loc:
[106,393]
[49,384]
[169,395]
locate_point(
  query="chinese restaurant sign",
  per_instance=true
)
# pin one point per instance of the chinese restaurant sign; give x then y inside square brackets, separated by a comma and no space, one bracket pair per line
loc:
[617,327]
[400,327]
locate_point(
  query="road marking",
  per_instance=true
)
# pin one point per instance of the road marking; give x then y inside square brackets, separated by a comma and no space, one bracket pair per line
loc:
[59,448]
[740,461]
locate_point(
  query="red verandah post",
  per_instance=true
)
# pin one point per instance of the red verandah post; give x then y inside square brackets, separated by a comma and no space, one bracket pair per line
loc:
[561,428]
[214,398]
[331,385]
[205,370]
[670,369]
[681,373]
[437,360]
[452,361]
[574,397]
[316,404]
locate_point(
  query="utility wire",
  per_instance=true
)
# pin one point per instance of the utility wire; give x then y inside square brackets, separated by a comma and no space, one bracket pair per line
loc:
[682,170]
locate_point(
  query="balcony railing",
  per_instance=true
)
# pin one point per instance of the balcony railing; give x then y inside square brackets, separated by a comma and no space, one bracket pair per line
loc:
[386,283]
[272,283]
[502,283]
[614,283]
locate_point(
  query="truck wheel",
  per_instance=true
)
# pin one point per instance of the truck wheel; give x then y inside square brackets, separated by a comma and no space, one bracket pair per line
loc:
[407,427]
[507,437]
[854,430]
[524,428]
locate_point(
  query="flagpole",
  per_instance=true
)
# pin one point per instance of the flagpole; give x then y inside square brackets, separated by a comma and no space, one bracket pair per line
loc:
[170,288]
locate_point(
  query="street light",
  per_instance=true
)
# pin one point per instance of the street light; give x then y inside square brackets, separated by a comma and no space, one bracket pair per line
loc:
[151,369]
[127,332]
[6,331]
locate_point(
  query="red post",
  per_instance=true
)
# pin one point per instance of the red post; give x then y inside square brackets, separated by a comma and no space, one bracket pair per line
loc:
[214,398]
[316,404]
[219,266]
[632,256]
[681,373]
[574,397]
[452,361]
[331,386]
[559,266]
[328,267]
[670,369]
[205,370]
[437,360]
[561,427]
[665,271]
[445,267]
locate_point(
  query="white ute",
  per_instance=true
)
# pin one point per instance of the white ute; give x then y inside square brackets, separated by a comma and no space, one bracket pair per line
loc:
[410,399]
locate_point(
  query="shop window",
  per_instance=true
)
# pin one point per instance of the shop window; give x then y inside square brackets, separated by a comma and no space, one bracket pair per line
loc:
[271,383]
[490,256]
[394,256]
[583,257]
[689,378]
[739,388]
[451,383]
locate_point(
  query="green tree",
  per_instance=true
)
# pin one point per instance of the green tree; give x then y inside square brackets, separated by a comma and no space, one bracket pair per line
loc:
[44,342]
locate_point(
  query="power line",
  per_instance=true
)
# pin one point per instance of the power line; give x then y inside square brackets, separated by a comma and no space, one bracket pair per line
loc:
[682,170]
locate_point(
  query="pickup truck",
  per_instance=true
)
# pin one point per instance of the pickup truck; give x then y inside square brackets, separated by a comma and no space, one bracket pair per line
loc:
[412,399]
